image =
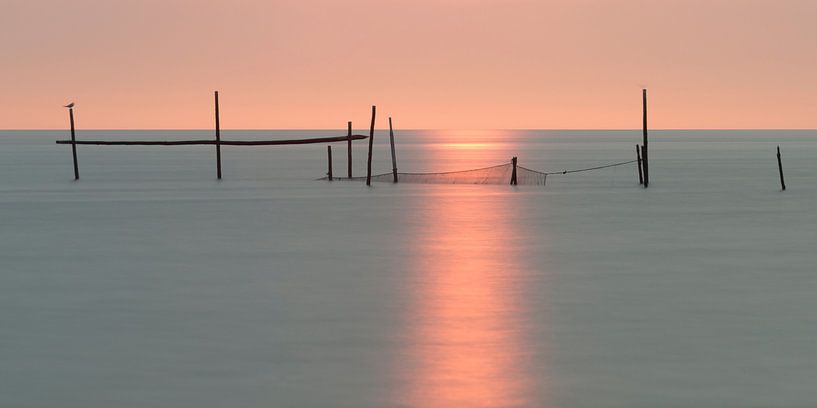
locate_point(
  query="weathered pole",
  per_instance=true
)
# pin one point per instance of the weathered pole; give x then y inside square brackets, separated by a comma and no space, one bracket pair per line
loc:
[211,142]
[218,140]
[73,143]
[371,145]
[393,157]
[349,151]
[780,169]
[638,157]
[644,148]
[329,159]
[513,174]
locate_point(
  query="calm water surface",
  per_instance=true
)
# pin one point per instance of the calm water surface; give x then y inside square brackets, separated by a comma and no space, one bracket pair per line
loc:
[150,283]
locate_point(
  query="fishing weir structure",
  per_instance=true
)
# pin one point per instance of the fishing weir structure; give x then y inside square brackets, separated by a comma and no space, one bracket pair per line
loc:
[217,142]
[509,173]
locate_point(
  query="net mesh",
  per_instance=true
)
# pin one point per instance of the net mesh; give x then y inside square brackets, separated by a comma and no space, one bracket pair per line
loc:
[500,174]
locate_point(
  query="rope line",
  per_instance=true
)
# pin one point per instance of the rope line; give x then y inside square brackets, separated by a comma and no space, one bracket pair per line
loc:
[579,170]
[453,172]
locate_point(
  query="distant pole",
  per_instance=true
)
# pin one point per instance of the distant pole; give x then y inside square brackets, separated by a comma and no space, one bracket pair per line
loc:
[393,157]
[780,169]
[371,144]
[513,174]
[218,140]
[644,149]
[349,151]
[74,144]
[638,157]
[329,158]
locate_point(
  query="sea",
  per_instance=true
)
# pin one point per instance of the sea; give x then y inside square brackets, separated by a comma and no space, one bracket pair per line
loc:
[151,283]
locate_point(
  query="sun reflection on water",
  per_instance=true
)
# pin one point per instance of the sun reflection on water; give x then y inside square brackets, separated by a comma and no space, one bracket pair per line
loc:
[465,336]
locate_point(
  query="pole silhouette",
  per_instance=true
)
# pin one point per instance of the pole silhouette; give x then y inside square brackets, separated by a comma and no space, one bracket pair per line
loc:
[73,143]
[780,169]
[645,162]
[371,143]
[393,155]
[329,162]
[349,151]
[218,140]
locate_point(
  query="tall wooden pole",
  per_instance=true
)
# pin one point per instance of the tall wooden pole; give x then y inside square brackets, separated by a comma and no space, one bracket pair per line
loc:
[74,144]
[371,145]
[644,148]
[329,160]
[780,169]
[349,151]
[513,174]
[393,156]
[218,140]
[638,158]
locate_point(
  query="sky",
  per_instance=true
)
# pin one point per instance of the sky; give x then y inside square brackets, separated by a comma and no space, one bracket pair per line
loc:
[430,64]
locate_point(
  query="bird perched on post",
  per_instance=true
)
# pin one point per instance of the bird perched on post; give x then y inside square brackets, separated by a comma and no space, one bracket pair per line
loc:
[70,105]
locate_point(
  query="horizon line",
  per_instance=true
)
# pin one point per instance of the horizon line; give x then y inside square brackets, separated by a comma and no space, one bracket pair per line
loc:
[417,129]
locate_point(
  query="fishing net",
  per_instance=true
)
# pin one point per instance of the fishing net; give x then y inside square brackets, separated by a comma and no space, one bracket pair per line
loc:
[500,174]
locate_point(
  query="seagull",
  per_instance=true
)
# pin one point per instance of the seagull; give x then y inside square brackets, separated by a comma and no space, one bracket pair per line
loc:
[70,105]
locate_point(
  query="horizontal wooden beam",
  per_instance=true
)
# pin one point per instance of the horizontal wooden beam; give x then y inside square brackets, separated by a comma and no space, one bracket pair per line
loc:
[211,142]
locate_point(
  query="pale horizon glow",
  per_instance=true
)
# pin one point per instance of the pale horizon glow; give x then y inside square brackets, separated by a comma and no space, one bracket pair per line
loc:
[430,64]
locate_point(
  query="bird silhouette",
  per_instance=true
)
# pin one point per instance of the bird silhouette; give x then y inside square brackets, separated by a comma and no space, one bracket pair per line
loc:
[70,105]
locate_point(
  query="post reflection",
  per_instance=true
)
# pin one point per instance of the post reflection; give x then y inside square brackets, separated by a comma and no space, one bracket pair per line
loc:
[465,344]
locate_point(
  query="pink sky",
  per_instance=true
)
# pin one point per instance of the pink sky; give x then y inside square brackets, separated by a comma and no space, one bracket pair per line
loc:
[470,64]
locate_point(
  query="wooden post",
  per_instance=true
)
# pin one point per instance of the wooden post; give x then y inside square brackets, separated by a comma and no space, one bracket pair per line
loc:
[780,168]
[371,145]
[393,157]
[638,157]
[74,144]
[644,149]
[513,174]
[349,151]
[218,140]
[329,158]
